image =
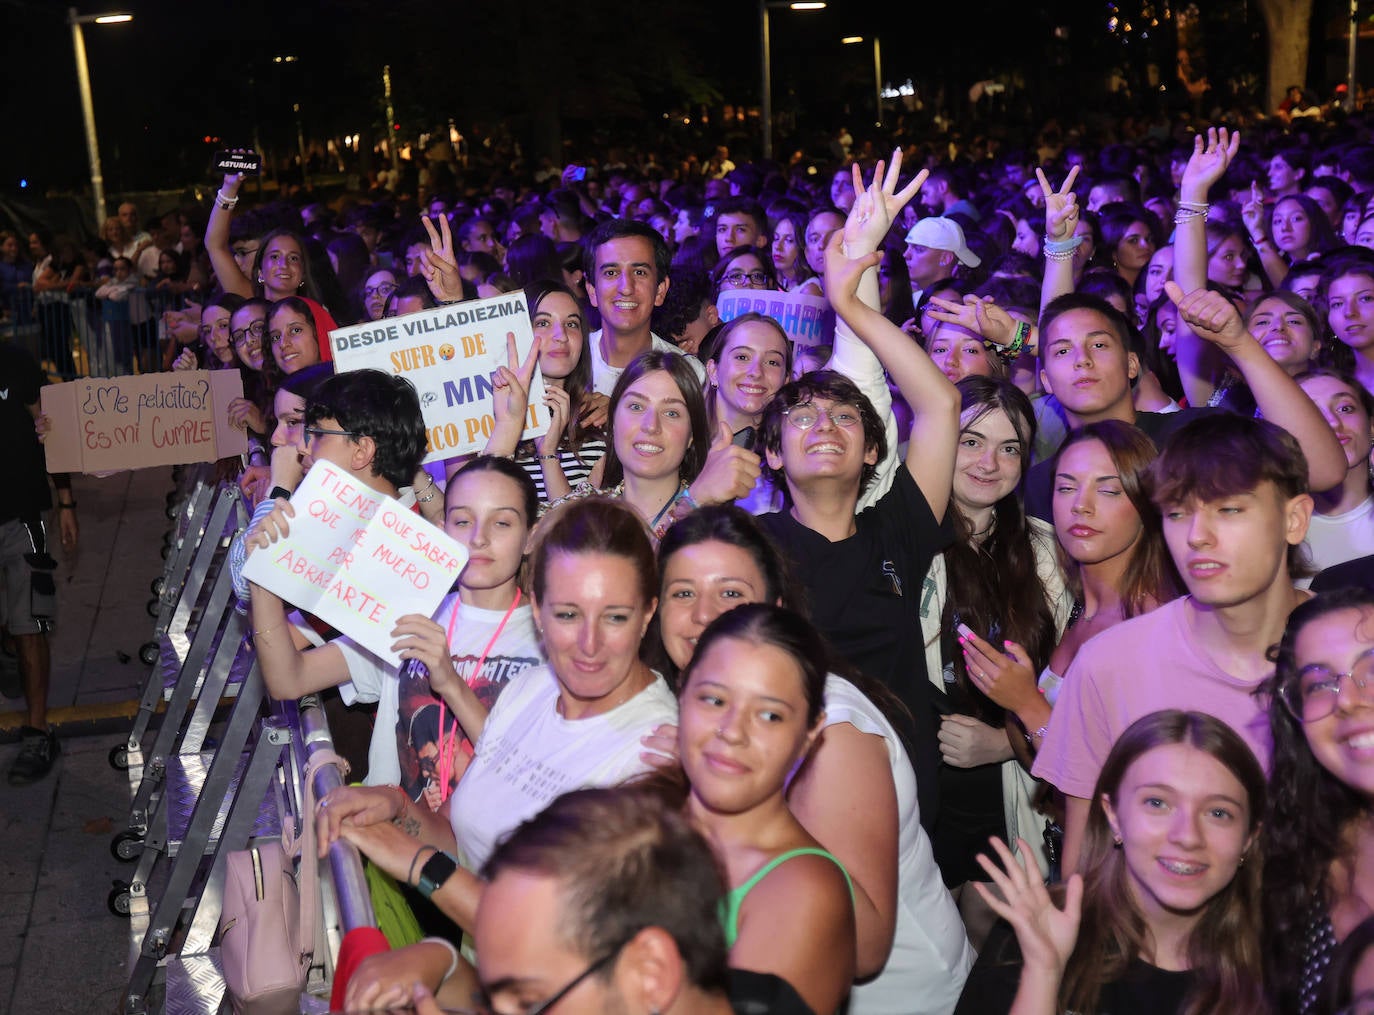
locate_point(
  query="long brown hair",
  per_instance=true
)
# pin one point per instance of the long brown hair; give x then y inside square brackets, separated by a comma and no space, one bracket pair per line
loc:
[1224,947]
[995,583]
[1151,578]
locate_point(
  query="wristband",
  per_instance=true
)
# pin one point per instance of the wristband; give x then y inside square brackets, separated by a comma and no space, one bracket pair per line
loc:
[547,458]
[279,492]
[1062,246]
[1039,734]
[224,201]
[410,875]
[430,492]
[686,495]
[435,873]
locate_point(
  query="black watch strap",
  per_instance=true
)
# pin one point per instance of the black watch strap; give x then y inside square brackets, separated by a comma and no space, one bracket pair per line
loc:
[279,492]
[437,870]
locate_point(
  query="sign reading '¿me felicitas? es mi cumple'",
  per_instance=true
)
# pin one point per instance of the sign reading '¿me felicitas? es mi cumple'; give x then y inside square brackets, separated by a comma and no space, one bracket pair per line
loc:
[450,354]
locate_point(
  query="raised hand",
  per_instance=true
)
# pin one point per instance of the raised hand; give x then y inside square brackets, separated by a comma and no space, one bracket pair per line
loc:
[1252,213]
[978,314]
[557,402]
[1211,156]
[876,205]
[1210,315]
[730,471]
[438,264]
[1061,206]
[512,383]
[1046,933]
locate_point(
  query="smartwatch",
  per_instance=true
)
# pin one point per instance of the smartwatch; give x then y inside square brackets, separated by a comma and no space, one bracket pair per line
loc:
[437,870]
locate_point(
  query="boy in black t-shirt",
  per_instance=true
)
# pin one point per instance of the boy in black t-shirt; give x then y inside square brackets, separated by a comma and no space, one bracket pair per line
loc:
[859,529]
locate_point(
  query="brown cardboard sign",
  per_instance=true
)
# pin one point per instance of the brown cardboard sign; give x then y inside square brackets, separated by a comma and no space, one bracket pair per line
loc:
[112,424]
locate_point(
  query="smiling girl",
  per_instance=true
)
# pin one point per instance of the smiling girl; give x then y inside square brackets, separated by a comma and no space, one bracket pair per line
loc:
[1165,915]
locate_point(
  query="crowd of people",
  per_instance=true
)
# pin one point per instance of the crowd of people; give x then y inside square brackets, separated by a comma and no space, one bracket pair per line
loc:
[1007,651]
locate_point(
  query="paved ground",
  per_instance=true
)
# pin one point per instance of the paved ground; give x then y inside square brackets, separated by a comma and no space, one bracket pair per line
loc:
[60,949]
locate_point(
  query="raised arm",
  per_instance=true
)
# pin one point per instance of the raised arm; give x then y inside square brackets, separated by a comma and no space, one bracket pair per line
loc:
[1061,218]
[231,279]
[1214,318]
[862,235]
[1256,224]
[1199,361]
[933,399]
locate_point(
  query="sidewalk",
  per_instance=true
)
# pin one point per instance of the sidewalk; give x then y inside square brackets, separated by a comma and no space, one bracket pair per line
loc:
[61,950]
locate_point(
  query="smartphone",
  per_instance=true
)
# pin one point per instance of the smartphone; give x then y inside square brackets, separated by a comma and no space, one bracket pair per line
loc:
[577,173]
[248,163]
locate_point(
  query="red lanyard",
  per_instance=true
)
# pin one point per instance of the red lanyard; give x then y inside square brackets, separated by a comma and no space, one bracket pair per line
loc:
[448,747]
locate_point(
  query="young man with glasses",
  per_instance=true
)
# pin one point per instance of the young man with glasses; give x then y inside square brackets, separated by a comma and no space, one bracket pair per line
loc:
[860,528]
[1233,493]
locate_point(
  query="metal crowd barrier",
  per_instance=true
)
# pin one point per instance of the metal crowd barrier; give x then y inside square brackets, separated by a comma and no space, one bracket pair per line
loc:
[73,333]
[195,799]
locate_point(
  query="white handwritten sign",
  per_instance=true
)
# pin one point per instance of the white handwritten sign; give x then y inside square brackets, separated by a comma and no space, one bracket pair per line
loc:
[110,424]
[357,559]
[451,355]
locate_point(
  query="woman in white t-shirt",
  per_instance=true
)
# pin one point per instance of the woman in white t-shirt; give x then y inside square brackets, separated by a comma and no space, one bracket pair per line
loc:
[573,724]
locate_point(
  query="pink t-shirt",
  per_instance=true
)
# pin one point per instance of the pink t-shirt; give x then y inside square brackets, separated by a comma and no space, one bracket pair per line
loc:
[1142,665]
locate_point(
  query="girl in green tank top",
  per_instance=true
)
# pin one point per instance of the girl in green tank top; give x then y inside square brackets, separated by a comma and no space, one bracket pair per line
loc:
[750,710]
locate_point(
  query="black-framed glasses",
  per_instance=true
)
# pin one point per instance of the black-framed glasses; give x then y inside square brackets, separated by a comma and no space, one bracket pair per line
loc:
[1312,695]
[246,251]
[255,330]
[738,278]
[484,1002]
[807,415]
[382,289]
[314,432]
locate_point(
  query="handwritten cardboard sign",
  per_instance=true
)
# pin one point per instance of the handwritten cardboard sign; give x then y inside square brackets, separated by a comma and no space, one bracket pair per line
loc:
[451,355]
[807,319]
[357,559]
[110,424]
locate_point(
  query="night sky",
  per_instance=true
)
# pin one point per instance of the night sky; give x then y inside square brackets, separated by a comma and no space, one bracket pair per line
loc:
[181,71]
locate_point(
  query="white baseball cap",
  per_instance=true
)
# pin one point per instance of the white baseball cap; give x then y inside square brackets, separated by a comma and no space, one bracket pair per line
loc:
[943,234]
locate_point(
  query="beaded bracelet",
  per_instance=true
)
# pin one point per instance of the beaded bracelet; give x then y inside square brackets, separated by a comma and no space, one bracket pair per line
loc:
[1051,255]
[224,201]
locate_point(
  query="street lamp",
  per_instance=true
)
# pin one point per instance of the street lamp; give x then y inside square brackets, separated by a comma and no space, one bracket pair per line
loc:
[83,79]
[852,40]
[766,108]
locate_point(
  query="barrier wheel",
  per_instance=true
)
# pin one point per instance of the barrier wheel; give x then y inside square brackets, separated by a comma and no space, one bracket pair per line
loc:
[118,901]
[127,846]
[119,757]
[154,607]
[148,653]
[170,511]
[158,585]
[166,549]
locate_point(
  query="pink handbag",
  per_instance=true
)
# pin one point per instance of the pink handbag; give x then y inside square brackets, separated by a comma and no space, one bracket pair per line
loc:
[268,923]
